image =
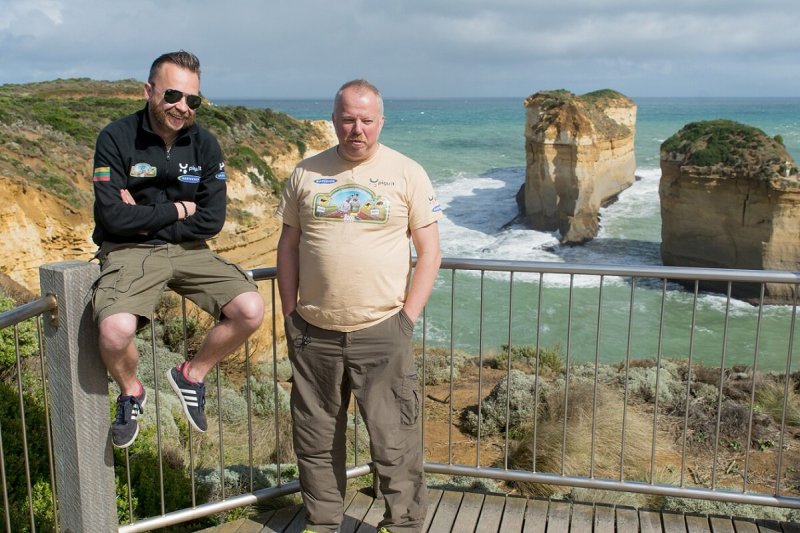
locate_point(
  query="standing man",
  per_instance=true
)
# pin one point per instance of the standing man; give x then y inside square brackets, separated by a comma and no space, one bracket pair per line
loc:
[159,185]
[350,305]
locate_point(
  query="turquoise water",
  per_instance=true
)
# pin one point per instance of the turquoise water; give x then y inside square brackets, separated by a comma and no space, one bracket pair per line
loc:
[473,149]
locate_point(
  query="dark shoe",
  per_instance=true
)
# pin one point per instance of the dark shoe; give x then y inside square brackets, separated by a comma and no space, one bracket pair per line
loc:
[192,397]
[126,422]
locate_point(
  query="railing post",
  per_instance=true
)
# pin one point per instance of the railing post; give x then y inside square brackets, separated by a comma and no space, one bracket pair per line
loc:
[78,386]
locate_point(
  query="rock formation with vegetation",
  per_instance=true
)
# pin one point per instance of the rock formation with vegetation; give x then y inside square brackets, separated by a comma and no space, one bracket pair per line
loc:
[729,199]
[580,156]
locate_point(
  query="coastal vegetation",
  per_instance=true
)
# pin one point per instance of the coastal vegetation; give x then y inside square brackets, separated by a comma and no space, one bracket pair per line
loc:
[728,143]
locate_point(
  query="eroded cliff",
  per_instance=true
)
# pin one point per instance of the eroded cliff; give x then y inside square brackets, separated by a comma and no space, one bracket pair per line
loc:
[730,198]
[580,156]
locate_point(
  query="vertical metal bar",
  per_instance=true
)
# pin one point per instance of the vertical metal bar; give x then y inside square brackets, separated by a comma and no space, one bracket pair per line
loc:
[721,385]
[188,426]
[452,341]
[659,353]
[276,408]
[745,480]
[4,481]
[480,371]
[128,481]
[509,366]
[158,417]
[538,370]
[47,422]
[424,380]
[24,430]
[627,383]
[249,399]
[787,379]
[567,364]
[689,375]
[221,435]
[596,370]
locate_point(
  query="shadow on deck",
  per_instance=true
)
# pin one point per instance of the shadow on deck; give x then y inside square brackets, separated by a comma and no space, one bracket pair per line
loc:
[471,512]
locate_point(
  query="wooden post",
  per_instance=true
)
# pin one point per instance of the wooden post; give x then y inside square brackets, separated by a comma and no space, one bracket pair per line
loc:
[80,416]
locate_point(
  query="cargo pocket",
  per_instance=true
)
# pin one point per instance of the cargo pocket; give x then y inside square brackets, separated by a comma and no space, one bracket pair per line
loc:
[105,288]
[409,400]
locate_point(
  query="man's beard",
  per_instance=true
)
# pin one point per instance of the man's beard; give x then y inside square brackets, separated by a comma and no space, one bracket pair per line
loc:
[160,118]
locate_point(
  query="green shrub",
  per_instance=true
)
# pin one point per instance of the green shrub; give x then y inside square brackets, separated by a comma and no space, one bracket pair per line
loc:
[27,338]
[550,359]
[493,414]
[37,452]
[435,368]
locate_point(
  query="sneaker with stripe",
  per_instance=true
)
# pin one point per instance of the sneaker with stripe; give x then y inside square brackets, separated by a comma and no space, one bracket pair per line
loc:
[125,427]
[192,396]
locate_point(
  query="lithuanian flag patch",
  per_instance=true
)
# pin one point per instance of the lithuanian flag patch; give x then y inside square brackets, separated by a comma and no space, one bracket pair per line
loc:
[102,174]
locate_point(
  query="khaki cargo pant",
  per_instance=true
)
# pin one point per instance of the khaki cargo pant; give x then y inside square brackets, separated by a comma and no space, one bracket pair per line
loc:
[376,364]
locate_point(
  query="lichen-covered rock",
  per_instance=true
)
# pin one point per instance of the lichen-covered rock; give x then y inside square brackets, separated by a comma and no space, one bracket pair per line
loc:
[580,156]
[729,199]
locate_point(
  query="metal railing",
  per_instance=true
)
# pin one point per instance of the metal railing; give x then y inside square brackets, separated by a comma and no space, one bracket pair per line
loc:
[594,350]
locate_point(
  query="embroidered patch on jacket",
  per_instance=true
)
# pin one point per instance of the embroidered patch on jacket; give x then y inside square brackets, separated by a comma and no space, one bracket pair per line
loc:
[143,170]
[102,174]
[220,176]
[189,179]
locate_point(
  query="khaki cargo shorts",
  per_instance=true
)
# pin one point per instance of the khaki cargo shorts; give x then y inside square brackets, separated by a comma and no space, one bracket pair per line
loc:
[133,276]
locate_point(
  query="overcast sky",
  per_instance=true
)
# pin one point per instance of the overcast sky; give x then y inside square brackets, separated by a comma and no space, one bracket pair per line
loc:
[416,48]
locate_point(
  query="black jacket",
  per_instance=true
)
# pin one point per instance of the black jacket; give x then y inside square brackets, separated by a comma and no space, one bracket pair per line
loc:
[129,155]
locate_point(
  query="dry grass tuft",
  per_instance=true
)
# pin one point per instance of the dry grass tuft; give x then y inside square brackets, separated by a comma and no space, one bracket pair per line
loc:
[578,455]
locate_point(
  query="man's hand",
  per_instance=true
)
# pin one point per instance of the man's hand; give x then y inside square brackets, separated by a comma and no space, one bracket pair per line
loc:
[127,197]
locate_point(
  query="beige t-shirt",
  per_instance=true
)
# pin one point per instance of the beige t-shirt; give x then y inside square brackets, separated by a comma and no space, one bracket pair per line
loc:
[356,221]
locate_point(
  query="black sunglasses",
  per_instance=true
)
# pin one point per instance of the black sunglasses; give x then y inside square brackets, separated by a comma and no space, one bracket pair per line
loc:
[173,96]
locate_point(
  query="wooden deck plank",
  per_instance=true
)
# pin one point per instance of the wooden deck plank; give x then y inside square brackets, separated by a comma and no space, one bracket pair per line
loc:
[514,514]
[251,524]
[433,496]
[354,512]
[446,511]
[282,518]
[297,525]
[745,526]
[697,524]
[721,524]
[627,520]
[373,516]
[468,513]
[536,516]
[604,519]
[673,522]
[769,526]
[582,517]
[649,521]
[558,516]
[491,514]
[472,512]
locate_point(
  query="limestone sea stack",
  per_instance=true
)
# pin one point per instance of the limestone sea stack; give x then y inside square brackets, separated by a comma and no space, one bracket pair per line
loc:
[730,198]
[580,156]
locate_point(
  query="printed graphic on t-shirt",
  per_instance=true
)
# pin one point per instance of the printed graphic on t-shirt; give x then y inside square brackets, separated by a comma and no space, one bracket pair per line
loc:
[351,203]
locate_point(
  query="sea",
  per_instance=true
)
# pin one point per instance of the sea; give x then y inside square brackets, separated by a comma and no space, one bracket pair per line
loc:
[473,150]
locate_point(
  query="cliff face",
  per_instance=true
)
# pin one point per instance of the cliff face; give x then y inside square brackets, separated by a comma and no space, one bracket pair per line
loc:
[730,198]
[47,134]
[580,156]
